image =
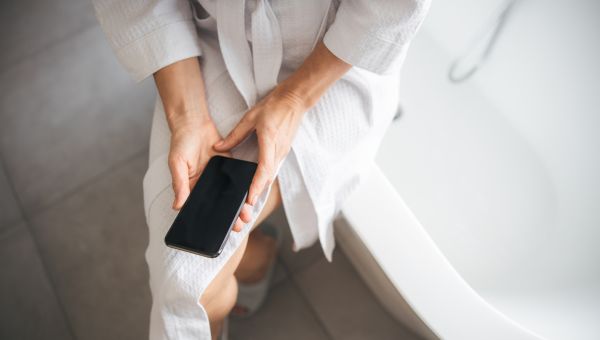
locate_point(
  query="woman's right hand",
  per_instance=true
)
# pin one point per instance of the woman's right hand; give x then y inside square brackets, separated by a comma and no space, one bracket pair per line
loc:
[190,150]
[193,132]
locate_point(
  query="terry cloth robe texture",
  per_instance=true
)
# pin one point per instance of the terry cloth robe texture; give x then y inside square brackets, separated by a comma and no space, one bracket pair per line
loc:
[245,49]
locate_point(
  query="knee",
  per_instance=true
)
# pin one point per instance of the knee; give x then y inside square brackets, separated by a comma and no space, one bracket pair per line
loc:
[220,294]
[273,202]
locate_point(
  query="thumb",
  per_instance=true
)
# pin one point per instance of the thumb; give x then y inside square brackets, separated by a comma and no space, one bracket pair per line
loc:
[236,136]
[181,182]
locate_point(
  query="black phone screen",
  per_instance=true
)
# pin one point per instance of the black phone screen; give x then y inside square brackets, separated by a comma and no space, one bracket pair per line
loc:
[206,218]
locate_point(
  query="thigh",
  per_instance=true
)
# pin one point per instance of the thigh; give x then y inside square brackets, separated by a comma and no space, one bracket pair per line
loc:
[273,201]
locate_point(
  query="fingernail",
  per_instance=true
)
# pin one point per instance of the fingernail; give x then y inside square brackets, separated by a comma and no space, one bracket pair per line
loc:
[219,143]
[254,199]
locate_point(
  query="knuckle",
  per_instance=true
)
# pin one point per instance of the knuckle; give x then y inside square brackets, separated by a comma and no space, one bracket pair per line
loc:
[269,132]
[175,162]
[194,172]
[233,133]
[172,162]
[233,136]
[249,115]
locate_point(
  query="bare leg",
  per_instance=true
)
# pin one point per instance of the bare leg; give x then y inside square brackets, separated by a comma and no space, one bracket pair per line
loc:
[261,249]
[220,295]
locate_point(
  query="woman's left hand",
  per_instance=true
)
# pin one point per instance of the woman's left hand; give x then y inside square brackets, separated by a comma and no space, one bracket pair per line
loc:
[277,116]
[275,119]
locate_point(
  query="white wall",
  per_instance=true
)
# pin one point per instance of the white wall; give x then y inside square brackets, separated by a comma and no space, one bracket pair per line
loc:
[544,77]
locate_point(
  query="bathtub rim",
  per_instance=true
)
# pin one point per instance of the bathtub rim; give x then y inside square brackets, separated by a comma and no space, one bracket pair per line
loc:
[422,290]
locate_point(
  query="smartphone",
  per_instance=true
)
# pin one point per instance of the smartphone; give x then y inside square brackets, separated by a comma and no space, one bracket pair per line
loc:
[207,216]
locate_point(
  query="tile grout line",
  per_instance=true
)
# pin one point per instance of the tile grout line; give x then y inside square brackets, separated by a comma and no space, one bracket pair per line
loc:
[297,287]
[47,206]
[413,334]
[28,225]
[36,246]
[25,216]
[51,44]
[304,298]
[10,227]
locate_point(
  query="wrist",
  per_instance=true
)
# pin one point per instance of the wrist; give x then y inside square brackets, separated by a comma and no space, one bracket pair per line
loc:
[314,77]
[185,120]
[295,97]
[181,89]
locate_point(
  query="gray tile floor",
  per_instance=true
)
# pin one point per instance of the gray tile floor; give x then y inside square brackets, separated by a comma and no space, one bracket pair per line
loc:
[73,143]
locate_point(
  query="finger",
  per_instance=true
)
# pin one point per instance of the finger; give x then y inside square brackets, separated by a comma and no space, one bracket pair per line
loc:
[238,225]
[237,135]
[264,171]
[181,187]
[224,153]
[194,175]
[246,213]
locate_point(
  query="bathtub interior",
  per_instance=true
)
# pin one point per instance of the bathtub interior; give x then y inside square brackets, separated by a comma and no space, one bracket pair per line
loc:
[504,170]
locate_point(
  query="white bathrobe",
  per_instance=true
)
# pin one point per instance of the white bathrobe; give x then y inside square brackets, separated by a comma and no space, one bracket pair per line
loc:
[245,48]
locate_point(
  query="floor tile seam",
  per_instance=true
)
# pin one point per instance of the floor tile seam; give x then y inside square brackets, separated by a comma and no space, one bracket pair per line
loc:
[296,286]
[43,262]
[88,182]
[49,45]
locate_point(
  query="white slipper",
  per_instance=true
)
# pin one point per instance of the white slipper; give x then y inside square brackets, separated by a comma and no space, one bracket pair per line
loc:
[252,296]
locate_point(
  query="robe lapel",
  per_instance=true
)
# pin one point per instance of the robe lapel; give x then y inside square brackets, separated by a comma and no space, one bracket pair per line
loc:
[267,47]
[235,48]
[254,72]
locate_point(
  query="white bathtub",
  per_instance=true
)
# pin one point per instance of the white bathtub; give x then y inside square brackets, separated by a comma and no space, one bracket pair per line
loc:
[481,217]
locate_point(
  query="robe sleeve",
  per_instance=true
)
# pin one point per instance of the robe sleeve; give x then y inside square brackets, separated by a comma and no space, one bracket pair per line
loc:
[374,34]
[147,35]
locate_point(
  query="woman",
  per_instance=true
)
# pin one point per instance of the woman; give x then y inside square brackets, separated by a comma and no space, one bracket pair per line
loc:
[306,88]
